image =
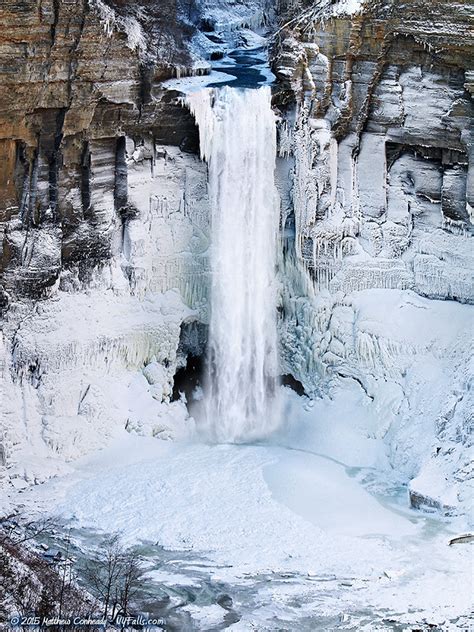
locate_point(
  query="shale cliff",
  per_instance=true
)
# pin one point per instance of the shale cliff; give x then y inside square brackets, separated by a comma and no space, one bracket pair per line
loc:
[377,141]
[385,119]
[76,78]
[96,158]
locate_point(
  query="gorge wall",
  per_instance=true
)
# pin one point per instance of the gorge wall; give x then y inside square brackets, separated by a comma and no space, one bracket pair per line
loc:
[104,217]
[103,207]
[377,136]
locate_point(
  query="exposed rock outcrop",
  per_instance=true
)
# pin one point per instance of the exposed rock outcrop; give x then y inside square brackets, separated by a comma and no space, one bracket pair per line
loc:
[383,143]
[377,140]
[77,78]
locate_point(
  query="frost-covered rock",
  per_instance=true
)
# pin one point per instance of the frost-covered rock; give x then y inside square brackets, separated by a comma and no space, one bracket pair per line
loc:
[376,147]
[103,228]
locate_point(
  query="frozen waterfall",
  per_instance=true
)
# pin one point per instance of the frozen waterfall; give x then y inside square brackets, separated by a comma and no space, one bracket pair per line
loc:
[238,139]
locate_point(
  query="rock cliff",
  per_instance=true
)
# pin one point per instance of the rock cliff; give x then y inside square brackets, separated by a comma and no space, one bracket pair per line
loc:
[102,208]
[376,140]
[77,78]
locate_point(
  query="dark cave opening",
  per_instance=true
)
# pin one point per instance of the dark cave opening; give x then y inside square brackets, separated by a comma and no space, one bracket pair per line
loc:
[207,26]
[293,383]
[188,379]
[217,54]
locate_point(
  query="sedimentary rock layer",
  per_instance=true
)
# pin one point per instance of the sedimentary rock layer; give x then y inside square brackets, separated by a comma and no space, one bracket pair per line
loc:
[76,79]
[377,140]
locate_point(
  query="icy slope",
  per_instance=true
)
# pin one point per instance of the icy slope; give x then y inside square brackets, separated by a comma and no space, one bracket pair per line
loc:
[84,367]
[99,353]
[411,360]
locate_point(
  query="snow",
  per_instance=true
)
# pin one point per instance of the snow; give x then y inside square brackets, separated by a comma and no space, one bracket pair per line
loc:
[77,366]
[270,509]
[409,361]
[321,499]
[387,368]
[206,615]
[411,319]
[348,7]
[230,15]
[319,490]
[345,7]
[346,414]
[67,411]
[326,9]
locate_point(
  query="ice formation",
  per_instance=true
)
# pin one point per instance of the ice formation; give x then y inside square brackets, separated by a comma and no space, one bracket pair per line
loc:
[112,228]
[240,150]
[111,22]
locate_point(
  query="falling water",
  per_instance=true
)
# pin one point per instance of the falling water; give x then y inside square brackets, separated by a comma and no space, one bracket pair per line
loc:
[238,139]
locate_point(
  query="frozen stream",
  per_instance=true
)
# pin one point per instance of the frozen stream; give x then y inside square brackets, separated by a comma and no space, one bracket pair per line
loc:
[266,536]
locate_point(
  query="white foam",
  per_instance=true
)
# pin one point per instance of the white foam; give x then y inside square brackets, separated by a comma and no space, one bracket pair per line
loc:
[241,152]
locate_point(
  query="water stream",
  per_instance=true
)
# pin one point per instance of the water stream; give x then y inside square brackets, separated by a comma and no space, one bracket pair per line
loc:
[238,140]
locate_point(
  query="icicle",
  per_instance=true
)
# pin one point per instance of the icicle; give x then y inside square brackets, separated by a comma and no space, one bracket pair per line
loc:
[200,106]
[457,227]
[285,139]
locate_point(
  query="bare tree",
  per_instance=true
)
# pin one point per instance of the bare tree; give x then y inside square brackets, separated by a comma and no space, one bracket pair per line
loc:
[114,576]
[66,573]
[16,529]
[130,581]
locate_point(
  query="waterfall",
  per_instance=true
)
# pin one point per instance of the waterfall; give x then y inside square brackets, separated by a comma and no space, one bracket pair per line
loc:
[238,139]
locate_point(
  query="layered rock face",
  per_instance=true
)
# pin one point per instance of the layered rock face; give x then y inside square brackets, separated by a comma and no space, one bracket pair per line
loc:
[77,79]
[383,145]
[103,207]
[376,138]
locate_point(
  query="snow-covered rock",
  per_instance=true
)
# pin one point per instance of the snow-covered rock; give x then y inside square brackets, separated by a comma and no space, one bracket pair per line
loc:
[376,144]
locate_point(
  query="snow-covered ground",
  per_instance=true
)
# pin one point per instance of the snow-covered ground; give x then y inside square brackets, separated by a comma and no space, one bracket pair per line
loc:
[328,527]
[309,530]
[400,367]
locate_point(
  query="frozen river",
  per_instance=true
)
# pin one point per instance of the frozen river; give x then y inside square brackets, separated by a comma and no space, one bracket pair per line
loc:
[266,537]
